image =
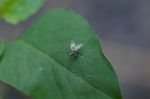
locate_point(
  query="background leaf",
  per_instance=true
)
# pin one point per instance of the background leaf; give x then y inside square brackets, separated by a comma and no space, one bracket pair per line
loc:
[38,62]
[14,11]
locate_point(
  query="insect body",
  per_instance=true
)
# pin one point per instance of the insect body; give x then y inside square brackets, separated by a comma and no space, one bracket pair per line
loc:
[74,48]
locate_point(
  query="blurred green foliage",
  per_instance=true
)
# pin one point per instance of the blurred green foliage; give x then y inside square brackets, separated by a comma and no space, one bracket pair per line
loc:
[14,11]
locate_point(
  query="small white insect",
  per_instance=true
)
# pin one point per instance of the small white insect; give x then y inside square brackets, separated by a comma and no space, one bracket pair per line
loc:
[74,48]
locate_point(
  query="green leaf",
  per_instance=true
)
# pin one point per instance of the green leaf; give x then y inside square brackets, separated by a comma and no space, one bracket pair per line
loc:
[14,11]
[38,63]
[2,47]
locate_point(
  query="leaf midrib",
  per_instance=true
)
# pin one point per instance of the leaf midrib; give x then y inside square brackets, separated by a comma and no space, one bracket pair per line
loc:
[51,58]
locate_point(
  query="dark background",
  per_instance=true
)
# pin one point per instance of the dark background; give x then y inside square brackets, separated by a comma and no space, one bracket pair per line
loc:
[123,27]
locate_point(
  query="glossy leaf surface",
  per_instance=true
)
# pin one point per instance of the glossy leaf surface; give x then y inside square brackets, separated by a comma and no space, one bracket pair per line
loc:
[38,62]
